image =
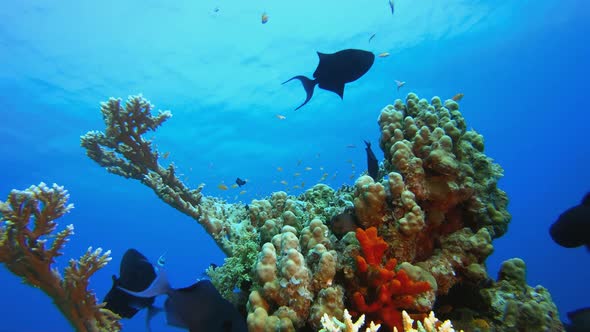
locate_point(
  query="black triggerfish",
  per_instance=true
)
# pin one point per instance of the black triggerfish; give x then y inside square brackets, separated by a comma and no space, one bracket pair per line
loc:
[572,228]
[372,164]
[335,70]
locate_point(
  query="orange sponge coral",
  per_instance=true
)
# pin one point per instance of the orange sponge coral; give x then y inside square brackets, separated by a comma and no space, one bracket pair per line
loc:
[386,292]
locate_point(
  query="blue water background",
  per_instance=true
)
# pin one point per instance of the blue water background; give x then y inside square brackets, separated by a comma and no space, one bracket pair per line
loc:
[522,65]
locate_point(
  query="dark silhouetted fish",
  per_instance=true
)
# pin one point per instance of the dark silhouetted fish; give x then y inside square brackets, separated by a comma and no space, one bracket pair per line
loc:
[335,70]
[198,307]
[580,320]
[343,223]
[240,182]
[136,273]
[372,164]
[572,228]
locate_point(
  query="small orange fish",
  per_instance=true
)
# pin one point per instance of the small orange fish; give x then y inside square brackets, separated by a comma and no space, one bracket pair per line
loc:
[234,186]
[283,182]
[458,97]
[264,18]
[383,55]
[222,186]
[281,117]
[242,192]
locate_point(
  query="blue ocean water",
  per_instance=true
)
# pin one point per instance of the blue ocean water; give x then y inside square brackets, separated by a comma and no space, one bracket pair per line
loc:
[522,65]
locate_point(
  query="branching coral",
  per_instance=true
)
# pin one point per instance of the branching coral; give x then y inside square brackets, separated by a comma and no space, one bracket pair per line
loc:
[27,222]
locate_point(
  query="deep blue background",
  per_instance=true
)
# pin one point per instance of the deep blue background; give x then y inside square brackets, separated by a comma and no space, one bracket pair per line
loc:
[522,65]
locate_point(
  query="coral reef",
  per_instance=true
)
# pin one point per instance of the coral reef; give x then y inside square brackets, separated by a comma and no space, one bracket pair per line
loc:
[27,222]
[431,221]
[515,306]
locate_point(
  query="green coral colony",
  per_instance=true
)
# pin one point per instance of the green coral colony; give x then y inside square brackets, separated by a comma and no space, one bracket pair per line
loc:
[437,208]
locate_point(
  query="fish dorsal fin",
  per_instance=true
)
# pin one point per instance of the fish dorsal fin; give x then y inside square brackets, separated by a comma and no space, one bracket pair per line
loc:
[586,200]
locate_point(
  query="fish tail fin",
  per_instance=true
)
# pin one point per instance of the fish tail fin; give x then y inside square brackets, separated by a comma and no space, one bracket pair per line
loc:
[159,286]
[308,85]
[368,144]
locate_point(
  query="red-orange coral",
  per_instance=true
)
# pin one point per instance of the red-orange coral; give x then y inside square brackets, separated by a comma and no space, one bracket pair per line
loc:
[387,292]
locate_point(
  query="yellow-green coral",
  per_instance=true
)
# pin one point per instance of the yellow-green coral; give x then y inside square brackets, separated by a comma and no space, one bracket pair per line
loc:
[27,222]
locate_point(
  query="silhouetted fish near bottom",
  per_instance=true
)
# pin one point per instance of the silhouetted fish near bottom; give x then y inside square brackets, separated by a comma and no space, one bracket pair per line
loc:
[240,182]
[572,228]
[343,223]
[335,70]
[136,273]
[372,163]
[196,308]
[580,320]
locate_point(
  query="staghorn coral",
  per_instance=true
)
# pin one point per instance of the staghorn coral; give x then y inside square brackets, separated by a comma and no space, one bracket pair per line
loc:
[438,210]
[27,221]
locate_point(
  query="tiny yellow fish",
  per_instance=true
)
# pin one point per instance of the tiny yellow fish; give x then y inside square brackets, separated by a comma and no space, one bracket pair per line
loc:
[383,55]
[264,18]
[280,169]
[351,176]
[349,161]
[222,186]
[166,154]
[458,97]
[308,169]
[296,187]
[302,184]
[296,174]
[284,182]
[242,192]
[234,186]
[281,117]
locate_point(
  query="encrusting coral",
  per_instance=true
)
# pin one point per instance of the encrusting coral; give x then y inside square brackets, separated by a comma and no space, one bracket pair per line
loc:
[437,210]
[27,222]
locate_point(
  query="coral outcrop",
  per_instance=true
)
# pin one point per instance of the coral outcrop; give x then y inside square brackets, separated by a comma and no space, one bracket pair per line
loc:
[27,223]
[431,220]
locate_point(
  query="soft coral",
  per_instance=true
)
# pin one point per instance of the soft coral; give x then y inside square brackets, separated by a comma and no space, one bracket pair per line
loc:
[387,292]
